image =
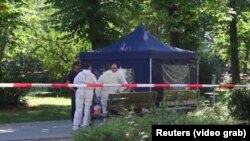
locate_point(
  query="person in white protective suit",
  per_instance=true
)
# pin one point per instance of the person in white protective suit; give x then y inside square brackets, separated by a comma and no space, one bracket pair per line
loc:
[109,77]
[84,96]
[118,77]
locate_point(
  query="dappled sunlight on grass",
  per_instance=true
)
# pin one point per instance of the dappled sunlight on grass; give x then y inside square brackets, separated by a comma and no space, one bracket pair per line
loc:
[38,109]
[36,101]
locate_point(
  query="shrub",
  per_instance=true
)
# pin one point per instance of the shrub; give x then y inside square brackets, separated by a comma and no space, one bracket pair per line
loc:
[20,69]
[220,114]
[239,104]
[11,97]
[210,64]
[135,128]
[114,130]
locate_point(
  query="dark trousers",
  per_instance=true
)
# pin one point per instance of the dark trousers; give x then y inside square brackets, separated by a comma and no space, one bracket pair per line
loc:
[159,97]
[73,105]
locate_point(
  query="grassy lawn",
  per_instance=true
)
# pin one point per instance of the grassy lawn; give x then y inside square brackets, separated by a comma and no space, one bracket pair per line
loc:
[38,109]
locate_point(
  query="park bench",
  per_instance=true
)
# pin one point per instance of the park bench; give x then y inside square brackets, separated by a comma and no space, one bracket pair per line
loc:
[122,103]
[180,99]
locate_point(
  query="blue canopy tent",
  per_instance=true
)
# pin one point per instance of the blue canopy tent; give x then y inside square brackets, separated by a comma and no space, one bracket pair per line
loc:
[148,57]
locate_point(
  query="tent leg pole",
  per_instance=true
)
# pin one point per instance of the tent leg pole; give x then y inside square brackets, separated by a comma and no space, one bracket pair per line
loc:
[150,72]
[198,68]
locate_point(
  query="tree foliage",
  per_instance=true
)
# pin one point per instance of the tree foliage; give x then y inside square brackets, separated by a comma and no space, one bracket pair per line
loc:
[56,50]
[53,32]
[97,20]
[239,104]
[10,19]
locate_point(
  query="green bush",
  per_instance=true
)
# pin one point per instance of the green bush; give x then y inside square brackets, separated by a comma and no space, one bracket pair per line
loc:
[19,70]
[136,128]
[11,97]
[210,64]
[220,114]
[114,130]
[239,104]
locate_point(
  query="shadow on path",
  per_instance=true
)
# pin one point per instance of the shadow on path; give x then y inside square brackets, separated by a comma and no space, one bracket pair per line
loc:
[60,130]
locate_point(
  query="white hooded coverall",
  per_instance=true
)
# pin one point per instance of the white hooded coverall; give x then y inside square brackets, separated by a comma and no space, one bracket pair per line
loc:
[108,77]
[84,97]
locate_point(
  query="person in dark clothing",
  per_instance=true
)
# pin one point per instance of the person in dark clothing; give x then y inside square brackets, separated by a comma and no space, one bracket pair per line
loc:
[157,78]
[159,96]
[70,79]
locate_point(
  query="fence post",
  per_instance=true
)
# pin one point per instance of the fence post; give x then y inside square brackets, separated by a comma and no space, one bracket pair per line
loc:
[213,82]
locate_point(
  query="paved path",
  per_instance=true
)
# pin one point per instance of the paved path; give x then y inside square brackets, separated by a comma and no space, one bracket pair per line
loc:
[60,130]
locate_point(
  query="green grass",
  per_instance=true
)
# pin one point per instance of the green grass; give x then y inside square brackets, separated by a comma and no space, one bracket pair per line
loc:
[38,109]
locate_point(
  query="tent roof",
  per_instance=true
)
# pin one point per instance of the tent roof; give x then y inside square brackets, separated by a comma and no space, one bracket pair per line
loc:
[139,44]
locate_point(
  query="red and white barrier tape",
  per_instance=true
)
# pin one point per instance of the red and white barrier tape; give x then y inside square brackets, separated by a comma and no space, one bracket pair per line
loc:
[67,85]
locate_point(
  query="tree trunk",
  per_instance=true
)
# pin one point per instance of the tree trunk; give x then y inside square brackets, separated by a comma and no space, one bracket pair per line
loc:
[174,34]
[96,30]
[246,58]
[234,46]
[3,43]
[175,38]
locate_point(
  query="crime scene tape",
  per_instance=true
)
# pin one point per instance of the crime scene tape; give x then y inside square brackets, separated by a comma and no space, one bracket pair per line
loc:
[90,85]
